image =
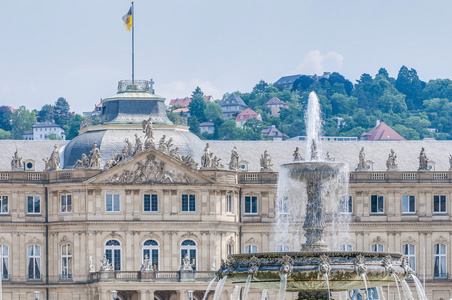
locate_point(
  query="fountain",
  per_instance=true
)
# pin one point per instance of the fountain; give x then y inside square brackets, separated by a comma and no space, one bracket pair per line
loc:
[317,269]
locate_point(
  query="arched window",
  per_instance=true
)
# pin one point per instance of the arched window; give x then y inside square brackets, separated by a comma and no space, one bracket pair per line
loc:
[34,262]
[151,250]
[113,253]
[230,249]
[66,262]
[440,258]
[189,247]
[346,247]
[251,249]
[377,248]
[409,250]
[4,257]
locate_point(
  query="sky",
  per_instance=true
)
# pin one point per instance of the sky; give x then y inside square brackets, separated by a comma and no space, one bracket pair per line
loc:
[79,49]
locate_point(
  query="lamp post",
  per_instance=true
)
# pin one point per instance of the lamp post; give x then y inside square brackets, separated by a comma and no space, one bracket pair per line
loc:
[37,293]
[114,295]
[190,294]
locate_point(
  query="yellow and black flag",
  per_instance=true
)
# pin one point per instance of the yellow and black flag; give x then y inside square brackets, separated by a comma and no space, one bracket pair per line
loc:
[127,18]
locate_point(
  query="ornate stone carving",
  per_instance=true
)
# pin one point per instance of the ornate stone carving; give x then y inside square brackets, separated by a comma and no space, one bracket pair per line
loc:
[388,264]
[186,265]
[94,155]
[286,265]
[362,165]
[16,162]
[266,162]
[406,266]
[450,162]
[173,153]
[423,160]
[105,265]
[138,145]
[206,158]
[146,266]
[113,161]
[189,161]
[213,265]
[296,155]
[324,264]
[53,162]
[314,151]
[127,151]
[164,146]
[254,265]
[148,133]
[234,162]
[391,162]
[360,265]
[379,240]
[82,163]
[328,157]
[91,265]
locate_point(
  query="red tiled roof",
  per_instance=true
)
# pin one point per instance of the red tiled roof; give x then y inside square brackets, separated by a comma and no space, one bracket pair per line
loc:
[382,132]
[248,113]
[186,101]
[182,109]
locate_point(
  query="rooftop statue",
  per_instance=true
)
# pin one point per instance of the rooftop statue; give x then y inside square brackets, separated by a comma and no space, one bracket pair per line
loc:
[138,145]
[53,163]
[206,159]
[173,153]
[216,163]
[95,157]
[83,163]
[113,161]
[423,160]
[362,161]
[148,130]
[266,162]
[234,162]
[164,146]
[450,162]
[296,155]
[328,157]
[189,161]
[391,163]
[16,162]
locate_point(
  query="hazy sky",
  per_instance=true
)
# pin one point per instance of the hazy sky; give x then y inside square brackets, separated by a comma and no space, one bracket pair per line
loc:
[79,49]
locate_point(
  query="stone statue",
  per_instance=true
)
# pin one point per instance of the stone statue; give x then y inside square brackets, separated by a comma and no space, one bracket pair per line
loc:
[362,161]
[147,264]
[212,266]
[355,295]
[266,162]
[450,162]
[314,152]
[129,147]
[163,147]
[94,154]
[53,162]
[391,163]
[189,161]
[148,130]
[173,153]
[216,163]
[328,157]
[83,163]
[296,155]
[138,145]
[423,160]
[91,265]
[234,163]
[206,159]
[105,265]
[186,265]
[113,161]
[16,162]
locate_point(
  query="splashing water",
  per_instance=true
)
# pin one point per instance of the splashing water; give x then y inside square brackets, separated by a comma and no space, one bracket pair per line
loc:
[381,295]
[236,293]
[313,128]
[327,284]
[219,288]
[406,290]
[397,284]
[363,275]
[264,294]
[208,288]
[247,287]
[282,287]
[419,289]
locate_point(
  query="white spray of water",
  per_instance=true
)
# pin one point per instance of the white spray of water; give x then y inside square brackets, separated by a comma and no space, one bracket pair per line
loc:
[219,288]
[419,289]
[264,294]
[282,287]
[247,287]
[406,290]
[208,288]
[381,295]
[327,284]
[397,284]
[236,293]
[313,127]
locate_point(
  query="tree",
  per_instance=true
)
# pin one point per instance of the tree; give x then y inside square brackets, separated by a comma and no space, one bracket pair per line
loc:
[303,83]
[5,135]
[53,136]
[409,84]
[61,112]
[213,112]
[197,105]
[194,125]
[254,124]
[5,118]
[341,104]
[23,120]
[74,127]
[260,87]
[47,112]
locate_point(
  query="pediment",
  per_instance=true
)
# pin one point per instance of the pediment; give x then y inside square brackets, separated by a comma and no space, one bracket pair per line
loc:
[151,167]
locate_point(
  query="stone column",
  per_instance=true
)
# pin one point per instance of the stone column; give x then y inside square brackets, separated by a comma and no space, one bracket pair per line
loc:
[128,253]
[136,248]
[204,251]
[151,295]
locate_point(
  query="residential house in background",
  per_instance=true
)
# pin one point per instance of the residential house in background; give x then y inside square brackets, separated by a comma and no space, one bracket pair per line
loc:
[381,132]
[186,101]
[96,111]
[232,106]
[246,115]
[273,133]
[208,127]
[275,105]
[28,135]
[287,81]
[41,131]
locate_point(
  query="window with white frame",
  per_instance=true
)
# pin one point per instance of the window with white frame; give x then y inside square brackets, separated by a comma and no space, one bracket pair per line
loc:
[113,253]
[251,249]
[440,261]
[283,205]
[230,249]
[66,203]
[151,203]
[283,248]
[189,248]
[409,250]
[34,262]
[66,262]
[377,204]
[229,203]
[439,204]
[151,251]
[188,203]
[346,205]
[377,248]
[33,204]
[4,258]
[408,204]
[250,204]
[3,204]
[112,202]
[346,247]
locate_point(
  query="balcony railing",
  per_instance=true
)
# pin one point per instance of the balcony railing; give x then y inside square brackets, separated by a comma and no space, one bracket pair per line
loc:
[157,276]
[65,277]
[441,276]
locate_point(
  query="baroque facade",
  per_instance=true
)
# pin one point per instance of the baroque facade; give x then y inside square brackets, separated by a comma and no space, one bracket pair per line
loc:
[152,224]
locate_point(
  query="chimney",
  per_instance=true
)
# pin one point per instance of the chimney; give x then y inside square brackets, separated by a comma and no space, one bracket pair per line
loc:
[378,123]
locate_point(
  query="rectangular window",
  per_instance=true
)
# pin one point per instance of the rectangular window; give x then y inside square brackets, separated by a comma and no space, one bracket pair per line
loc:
[3,204]
[283,205]
[229,203]
[377,204]
[408,204]
[4,258]
[251,205]
[439,204]
[346,205]
[112,203]
[66,262]
[33,204]
[440,262]
[66,203]
[151,203]
[34,262]
[188,203]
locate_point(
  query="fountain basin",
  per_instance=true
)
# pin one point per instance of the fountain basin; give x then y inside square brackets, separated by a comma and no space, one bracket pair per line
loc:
[305,270]
[308,170]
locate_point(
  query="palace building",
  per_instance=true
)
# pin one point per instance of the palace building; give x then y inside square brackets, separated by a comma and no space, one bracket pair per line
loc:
[139,205]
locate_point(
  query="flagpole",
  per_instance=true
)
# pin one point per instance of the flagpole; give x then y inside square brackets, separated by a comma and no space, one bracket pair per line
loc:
[133,48]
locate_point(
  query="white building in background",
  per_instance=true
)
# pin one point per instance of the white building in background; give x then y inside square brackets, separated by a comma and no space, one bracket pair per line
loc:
[42,130]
